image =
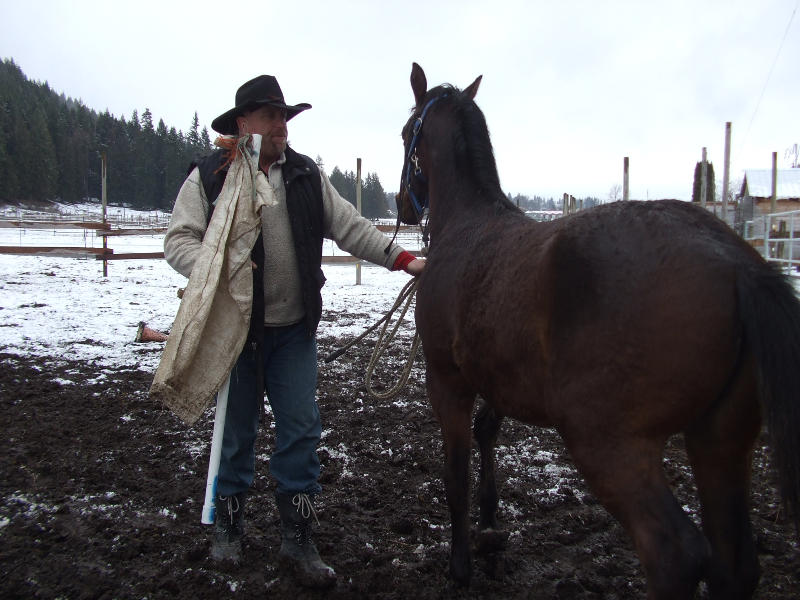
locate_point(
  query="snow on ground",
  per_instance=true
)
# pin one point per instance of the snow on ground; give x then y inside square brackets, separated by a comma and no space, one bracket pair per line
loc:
[63,306]
[57,306]
[86,211]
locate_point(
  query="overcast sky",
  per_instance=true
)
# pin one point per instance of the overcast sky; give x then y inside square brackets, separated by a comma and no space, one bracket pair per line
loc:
[569,88]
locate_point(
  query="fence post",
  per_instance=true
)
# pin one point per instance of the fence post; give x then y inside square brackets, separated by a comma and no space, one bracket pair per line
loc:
[790,264]
[625,170]
[703,175]
[358,207]
[767,229]
[726,171]
[773,203]
[105,220]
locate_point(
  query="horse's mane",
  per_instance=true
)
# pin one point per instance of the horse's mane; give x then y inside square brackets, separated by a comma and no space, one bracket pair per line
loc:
[473,146]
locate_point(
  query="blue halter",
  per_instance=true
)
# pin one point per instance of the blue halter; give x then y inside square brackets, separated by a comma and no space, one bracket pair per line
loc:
[411,159]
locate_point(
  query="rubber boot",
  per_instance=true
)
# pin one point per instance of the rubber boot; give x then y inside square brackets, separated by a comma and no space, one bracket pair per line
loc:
[228,527]
[298,551]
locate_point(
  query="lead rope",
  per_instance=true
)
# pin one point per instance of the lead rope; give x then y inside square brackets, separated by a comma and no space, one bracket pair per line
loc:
[405,298]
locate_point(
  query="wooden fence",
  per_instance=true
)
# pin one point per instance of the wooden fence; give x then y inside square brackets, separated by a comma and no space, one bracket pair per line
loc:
[122,228]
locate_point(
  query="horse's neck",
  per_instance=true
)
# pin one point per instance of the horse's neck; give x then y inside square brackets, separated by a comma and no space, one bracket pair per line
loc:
[455,197]
[453,209]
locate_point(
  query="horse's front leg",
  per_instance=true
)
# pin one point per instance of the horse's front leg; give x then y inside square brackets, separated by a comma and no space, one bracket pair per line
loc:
[453,407]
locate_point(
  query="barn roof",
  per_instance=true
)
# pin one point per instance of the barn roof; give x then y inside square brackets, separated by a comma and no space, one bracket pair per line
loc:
[758,183]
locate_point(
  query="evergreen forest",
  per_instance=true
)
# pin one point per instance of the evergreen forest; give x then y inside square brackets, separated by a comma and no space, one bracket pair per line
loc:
[51,148]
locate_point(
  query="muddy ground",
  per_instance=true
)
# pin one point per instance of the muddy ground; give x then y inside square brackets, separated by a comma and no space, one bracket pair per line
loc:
[101,492]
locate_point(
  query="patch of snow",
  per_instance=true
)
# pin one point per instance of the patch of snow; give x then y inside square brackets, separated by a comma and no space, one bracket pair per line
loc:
[64,307]
[165,512]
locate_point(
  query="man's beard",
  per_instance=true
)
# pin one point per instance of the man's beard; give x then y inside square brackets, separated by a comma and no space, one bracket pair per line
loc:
[271,151]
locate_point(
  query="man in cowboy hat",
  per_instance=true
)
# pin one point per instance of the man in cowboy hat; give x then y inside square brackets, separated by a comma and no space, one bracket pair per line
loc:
[300,208]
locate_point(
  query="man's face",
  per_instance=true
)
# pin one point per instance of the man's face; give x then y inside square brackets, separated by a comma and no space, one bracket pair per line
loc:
[270,123]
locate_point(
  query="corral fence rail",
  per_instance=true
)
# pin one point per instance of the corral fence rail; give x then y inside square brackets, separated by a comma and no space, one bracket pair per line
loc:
[83,221]
[135,225]
[777,237]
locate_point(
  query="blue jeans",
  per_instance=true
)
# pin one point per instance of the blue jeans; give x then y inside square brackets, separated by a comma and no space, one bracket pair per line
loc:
[287,360]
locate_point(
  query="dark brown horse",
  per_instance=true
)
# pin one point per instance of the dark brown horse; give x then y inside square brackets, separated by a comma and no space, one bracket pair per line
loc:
[618,326]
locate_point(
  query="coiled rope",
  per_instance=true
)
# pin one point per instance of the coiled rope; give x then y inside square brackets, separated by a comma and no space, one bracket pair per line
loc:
[404,299]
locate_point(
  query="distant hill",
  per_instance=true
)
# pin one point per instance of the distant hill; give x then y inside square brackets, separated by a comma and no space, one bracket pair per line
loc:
[51,147]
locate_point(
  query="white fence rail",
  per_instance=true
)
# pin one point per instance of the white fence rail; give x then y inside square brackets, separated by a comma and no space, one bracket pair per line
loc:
[777,236]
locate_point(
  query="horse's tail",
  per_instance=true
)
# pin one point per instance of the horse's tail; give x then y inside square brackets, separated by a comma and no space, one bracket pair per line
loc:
[770,312]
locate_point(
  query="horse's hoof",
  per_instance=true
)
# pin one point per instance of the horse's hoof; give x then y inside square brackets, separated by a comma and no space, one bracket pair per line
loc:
[491,540]
[460,574]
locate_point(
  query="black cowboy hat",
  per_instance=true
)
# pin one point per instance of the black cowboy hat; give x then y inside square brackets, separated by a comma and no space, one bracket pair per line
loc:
[262,90]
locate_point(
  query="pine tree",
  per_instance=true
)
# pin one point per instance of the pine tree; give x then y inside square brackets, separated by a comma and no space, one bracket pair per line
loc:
[372,198]
[710,183]
[120,156]
[175,165]
[9,185]
[391,203]
[134,126]
[147,121]
[73,151]
[37,158]
[205,140]
[193,137]
[148,192]
[345,184]
[9,99]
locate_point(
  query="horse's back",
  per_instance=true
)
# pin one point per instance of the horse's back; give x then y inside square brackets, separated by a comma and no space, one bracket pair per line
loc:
[641,254]
[647,292]
[643,293]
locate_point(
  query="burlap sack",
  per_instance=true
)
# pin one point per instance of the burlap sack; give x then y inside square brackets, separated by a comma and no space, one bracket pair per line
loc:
[211,326]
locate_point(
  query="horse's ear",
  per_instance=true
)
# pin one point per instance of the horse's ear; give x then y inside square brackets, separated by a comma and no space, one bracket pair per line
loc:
[419,83]
[473,88]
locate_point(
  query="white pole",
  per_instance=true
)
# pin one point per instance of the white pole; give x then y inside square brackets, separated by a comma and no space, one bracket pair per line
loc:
[216,451]
[625,171]
[358,207]
[221,410]
[726,171]
[773,201]
[104,199]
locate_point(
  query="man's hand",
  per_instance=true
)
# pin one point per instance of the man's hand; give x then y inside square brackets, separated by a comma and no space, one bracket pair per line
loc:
[415,267]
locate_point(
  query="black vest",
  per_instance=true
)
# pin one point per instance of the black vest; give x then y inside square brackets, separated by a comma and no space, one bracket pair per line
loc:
[304,202]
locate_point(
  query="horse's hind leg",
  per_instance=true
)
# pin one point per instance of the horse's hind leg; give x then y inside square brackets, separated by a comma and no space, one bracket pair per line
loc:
[485,428]
[719,448]
[626,475]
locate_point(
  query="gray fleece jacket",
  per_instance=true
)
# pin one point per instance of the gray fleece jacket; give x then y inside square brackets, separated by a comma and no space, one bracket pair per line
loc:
[282,292]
